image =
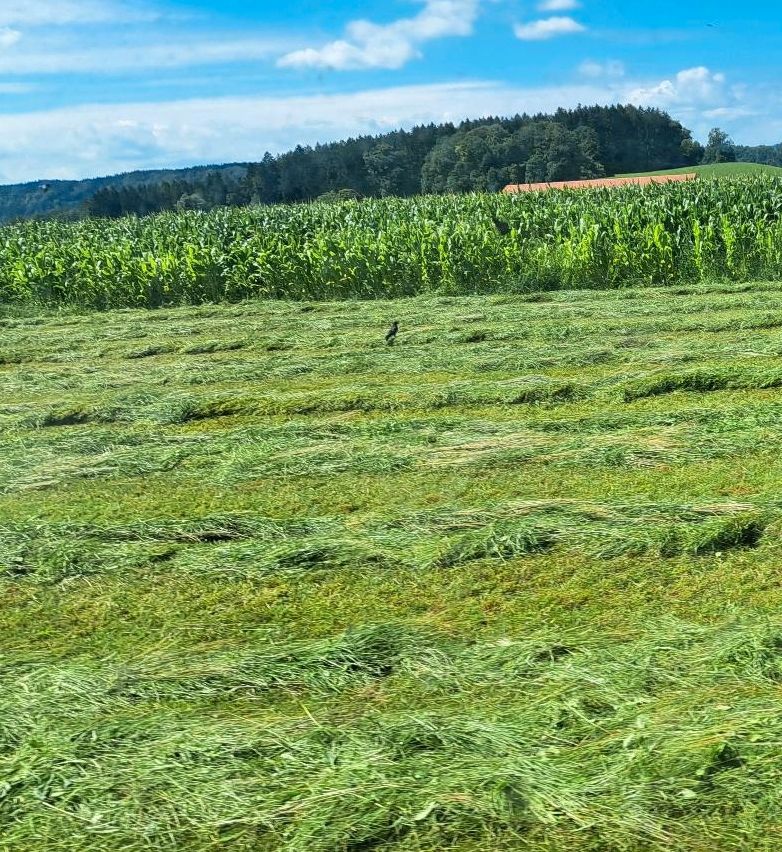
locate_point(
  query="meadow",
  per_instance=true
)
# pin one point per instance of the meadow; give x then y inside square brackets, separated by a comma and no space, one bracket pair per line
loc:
[511,583]
[729,171]
[392,248]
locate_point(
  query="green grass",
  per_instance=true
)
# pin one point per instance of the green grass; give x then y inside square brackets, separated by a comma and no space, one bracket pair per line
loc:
[717,170]
[512,583]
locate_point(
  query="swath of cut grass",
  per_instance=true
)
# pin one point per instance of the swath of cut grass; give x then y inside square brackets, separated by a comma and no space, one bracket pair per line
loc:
[151,351]
[703,381]
[210,346]
[497,542]
[601,748]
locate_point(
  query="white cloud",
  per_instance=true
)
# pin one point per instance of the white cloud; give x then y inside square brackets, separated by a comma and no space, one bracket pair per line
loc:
[59,12]
[93,37]
[121,58]
[611,68]
[700,97]
[9,37]
[16,88]
[92,140]
[730,113]
[558,5]
[370,45]
[548,28]
[691,86]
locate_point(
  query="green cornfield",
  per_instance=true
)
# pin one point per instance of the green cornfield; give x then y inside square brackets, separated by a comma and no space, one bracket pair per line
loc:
[388,248]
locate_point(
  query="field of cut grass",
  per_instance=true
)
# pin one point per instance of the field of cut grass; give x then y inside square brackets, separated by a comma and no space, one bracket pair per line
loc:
[729,170]
[510,584]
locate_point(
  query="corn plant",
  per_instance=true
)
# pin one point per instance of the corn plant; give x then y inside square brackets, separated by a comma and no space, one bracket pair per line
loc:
[653,235]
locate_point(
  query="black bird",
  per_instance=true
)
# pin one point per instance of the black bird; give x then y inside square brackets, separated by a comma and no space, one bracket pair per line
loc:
[391,333]
[502,227]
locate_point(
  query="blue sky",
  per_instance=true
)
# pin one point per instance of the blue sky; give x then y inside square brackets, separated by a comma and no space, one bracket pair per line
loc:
[92,87]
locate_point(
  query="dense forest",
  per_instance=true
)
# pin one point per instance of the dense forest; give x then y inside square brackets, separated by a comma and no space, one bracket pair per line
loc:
[768,155]
[475,155]
[482,154]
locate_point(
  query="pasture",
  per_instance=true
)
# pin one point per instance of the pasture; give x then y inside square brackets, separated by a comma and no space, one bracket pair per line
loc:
[719,170]
[512,583]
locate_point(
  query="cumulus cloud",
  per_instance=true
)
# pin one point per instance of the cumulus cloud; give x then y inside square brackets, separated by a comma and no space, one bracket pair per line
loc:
[548,28]
[370,45]
[699,97]
[690,86]
[611,69]
[558,5]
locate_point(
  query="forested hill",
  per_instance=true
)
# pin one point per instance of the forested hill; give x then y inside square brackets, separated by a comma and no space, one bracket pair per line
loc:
[483,154]
[46,197]
[767,155]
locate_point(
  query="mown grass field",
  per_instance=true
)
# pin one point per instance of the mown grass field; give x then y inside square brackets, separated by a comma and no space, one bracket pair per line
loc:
[512,583]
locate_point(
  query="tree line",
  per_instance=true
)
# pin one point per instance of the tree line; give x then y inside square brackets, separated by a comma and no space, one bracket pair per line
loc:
[480,155]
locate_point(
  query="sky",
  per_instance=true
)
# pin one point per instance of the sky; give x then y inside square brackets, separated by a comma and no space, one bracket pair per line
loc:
[97,87]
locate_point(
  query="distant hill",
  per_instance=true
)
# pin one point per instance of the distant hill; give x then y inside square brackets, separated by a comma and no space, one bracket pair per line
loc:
[62,197]
[716,170]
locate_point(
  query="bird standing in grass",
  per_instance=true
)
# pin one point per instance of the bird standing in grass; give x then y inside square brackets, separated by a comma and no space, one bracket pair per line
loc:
[391,333]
